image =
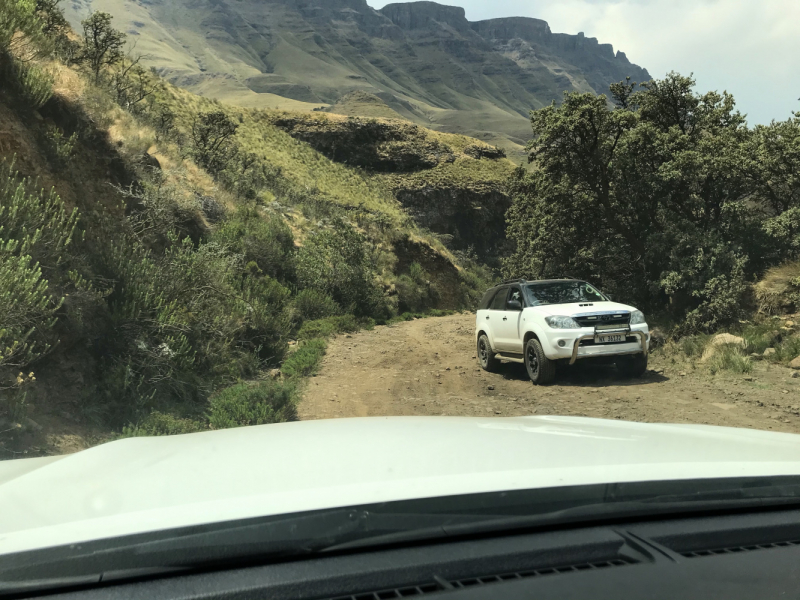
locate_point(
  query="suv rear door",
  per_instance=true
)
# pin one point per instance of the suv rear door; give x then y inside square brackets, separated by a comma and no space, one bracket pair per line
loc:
[494,315]
[506,329]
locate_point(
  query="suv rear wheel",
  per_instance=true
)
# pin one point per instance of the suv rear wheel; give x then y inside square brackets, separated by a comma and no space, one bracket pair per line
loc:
[486,357]
[541,369]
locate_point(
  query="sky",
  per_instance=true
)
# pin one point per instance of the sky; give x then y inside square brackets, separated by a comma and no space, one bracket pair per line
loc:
[751,48]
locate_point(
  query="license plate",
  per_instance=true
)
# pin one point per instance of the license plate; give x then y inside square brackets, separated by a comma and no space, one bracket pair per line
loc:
[609,339]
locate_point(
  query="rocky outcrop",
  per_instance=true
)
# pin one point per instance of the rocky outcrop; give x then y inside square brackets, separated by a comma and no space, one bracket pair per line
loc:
[424,15]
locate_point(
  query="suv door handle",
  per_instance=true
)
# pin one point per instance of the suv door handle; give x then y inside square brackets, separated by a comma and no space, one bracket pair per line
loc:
[505,318]
[487,317]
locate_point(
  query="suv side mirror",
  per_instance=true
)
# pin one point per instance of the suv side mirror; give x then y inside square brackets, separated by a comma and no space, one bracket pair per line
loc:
[514,305]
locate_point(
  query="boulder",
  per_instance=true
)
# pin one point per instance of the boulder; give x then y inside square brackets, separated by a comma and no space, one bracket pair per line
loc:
[770,352]
[719,340]
[795,364]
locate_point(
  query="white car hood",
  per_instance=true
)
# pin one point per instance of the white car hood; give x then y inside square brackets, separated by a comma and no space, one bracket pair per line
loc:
[149,484]
[568,310]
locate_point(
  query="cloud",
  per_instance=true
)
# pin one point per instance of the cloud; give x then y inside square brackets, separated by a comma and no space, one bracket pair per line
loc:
[747,47]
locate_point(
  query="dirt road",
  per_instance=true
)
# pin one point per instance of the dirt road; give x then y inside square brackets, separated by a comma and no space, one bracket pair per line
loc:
[428,367]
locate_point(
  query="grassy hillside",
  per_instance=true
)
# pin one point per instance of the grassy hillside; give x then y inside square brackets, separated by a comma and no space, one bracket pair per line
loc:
[196,258]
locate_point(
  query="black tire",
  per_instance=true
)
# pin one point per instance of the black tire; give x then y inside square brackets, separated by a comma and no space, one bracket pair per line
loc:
[541,369]
[633,366]
[486,358]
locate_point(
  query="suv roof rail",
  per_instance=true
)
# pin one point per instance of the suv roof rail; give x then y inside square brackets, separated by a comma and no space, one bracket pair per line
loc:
[519,280]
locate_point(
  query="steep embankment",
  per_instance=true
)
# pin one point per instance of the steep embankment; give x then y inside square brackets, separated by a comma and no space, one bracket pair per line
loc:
[425,60]
[452,185]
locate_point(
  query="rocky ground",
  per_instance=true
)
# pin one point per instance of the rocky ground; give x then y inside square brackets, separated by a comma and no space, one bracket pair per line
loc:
[428,367]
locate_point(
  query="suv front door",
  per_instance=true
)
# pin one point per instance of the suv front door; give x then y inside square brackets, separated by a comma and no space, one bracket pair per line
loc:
[507,326]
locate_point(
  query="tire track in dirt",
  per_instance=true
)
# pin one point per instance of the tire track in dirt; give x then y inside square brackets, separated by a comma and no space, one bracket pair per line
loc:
[428,367]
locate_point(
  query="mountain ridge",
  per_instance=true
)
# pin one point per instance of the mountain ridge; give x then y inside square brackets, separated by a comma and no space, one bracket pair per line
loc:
[425,60]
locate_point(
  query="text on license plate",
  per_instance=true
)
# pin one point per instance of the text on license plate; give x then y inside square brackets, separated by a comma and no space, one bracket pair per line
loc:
[609,338]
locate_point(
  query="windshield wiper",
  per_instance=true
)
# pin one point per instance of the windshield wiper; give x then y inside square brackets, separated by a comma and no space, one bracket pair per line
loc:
[667,505]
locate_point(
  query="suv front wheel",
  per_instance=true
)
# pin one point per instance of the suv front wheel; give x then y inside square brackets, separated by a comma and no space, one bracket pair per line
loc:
[541,369]
[632,366]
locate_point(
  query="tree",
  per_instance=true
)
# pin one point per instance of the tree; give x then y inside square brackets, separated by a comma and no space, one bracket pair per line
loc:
[102,44]
[665,199]
[212,141]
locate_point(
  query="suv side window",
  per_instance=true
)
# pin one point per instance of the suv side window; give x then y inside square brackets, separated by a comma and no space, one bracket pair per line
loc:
[487,300]
[516,294]
[499,302]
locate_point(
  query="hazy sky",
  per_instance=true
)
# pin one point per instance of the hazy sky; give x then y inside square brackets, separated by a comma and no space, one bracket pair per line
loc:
[750,48]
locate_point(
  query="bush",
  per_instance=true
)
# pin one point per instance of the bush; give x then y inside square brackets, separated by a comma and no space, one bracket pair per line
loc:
[324,328]
[35,83]
[262,239]
[788,350]
[35,232]
[694,345]
[730,358]
[312,305]
[414,290]
[245,404]
[160,424]
[305,361]
[779,290]
[337,262]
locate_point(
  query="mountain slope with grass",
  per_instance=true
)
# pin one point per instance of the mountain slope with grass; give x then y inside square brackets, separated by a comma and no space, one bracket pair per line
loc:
[171,264]
[425,60]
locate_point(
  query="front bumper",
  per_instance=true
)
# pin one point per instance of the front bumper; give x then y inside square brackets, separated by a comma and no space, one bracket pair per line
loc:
[566,344]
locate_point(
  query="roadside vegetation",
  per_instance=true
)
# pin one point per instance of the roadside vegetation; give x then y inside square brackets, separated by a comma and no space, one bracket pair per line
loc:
[665,197]
[190,259]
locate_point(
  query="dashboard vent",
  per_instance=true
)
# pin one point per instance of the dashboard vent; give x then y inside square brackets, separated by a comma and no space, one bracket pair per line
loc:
[736,549]
[441,585]
[463,583]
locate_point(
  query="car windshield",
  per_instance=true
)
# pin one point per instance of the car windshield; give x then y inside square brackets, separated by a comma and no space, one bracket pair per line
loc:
[563,292]
[262,258]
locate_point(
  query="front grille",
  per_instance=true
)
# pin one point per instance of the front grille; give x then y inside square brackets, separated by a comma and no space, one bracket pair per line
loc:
[621,319]
[631,339]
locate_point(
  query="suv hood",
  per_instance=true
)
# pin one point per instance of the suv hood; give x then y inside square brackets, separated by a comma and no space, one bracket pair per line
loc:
[149,484]
[568,310]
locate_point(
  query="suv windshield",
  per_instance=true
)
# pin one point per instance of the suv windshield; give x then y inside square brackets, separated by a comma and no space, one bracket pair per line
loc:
[563,292]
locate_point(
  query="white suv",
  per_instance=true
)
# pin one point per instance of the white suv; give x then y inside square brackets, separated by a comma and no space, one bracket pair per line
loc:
[544,323]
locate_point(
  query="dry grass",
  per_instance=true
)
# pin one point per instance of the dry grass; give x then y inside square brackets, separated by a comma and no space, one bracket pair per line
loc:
[779,291]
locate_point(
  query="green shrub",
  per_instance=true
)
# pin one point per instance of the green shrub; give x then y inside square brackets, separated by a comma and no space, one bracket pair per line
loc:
[324,328]
[694,345]
[730,358]
[312,305]
[262,239]
[415,291]
[305,361]
[788,349]
[35,83]
[758,338]
[338,262]
[252,404]
[35,232]
[60,147]
[161,424]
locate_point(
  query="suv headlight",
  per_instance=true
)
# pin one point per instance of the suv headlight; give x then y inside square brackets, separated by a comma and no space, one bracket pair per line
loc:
[562,322]
[637,317]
